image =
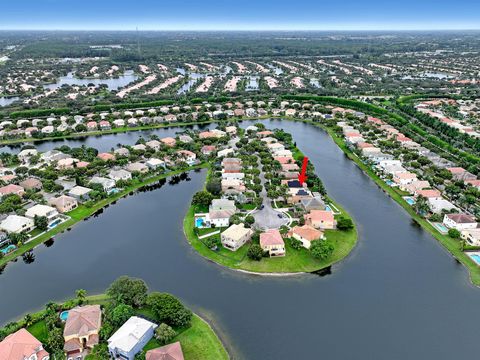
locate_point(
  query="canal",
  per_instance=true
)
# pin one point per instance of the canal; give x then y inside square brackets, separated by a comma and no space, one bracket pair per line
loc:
[399,295]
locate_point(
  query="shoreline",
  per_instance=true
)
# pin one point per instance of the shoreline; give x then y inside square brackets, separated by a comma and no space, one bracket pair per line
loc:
[74,220]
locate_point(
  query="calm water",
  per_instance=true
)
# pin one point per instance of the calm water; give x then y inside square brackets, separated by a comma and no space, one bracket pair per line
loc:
[399,295]
[5,101]
[112,83]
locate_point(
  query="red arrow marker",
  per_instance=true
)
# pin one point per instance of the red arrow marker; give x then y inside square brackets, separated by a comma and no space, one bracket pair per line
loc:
[302,177]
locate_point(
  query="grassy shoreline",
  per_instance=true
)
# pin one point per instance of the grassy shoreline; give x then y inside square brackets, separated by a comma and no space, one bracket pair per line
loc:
[82,212]
[199,341]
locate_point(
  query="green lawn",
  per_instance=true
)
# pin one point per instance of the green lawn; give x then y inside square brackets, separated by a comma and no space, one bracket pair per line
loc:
[294,260]
[198,342]
[39,330]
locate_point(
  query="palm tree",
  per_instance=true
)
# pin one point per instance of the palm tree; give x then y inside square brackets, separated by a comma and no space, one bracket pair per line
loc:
[81,295]
[28,320]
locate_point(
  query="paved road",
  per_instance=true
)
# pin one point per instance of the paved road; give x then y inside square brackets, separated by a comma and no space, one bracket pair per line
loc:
[267,218]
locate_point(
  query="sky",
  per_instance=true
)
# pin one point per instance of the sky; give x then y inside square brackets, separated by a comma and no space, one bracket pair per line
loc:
[239,15]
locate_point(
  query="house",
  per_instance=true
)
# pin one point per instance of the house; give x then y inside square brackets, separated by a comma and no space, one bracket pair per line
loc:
[429,194]
[117,175]
[437,206]
[169,141]
[472,236]
[155,163]
[22,345]
[474,182]
[321,219]
[224,152]
[63,203]
[167,352]
[404,178]
[130,339]
[25,155]
[233,186]
[188,156]
[31,184]
[236,236]
[233,176]
[314,203]
[107,184]
[137,167]
[122,152]
[40,210]
[91,125]
[106,156]
[207,149]
[459,221]
[17,224]
[185,139]
[81,330]
[11,189]
[104,125]
[272,242]
[139,147]
[459,173]
[79,192]
[153,144]
[306,234]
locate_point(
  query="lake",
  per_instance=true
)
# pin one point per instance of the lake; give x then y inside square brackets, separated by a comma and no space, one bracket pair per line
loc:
[399,295]
[112,83]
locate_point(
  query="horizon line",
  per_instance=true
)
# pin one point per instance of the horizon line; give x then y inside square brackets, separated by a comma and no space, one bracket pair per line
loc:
[246,30]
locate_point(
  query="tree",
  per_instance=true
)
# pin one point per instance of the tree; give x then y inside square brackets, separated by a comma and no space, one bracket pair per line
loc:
[214,186]
[249,220]
[129,291]
[55,340]
[344,224]
[202,198]
[99,351]
[321,249]
[120,314]
[41,222]
[167,308]
[164,333]
[81,295]
[454,233]
[255,252]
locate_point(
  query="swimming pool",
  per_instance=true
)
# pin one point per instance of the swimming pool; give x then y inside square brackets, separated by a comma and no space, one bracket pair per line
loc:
[409,200]
[440,227]
[200,222]
[389,182]
[64,315]
[328,208]
[55,223]
[475,257]
[8,249]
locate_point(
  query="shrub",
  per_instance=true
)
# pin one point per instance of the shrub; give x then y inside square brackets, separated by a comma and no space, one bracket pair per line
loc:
[167,308]
[255,252]
[164,333]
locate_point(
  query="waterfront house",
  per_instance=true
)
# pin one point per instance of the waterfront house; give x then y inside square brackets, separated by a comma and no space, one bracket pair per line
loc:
[272,242]
[169,141]
[314,203]
[40,210]
[220,218]
[437,206]
[63,203]
[25,155]
[120,174]
[81,330]
[107,184]
[185,138]
[404,178]
[306,234]
[167,352]
[321,219]
[17,224]
[122,152]
[188,156]
[459,221]
[21,345]
[232,186]
[139,147]
[233,176]
[155,163]
[429,194]
[130,339]
[80,193]
[153,144]
[137,167]
[106,156]
[471,236]
[236,236]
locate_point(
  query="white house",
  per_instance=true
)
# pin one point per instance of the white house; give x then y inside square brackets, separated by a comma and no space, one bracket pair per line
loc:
[236,236]
[130,339]
[107,184]
[224,152]
[17,224]
[49,212]
[155,163]
[459,221]
[120,174]
[233,176]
